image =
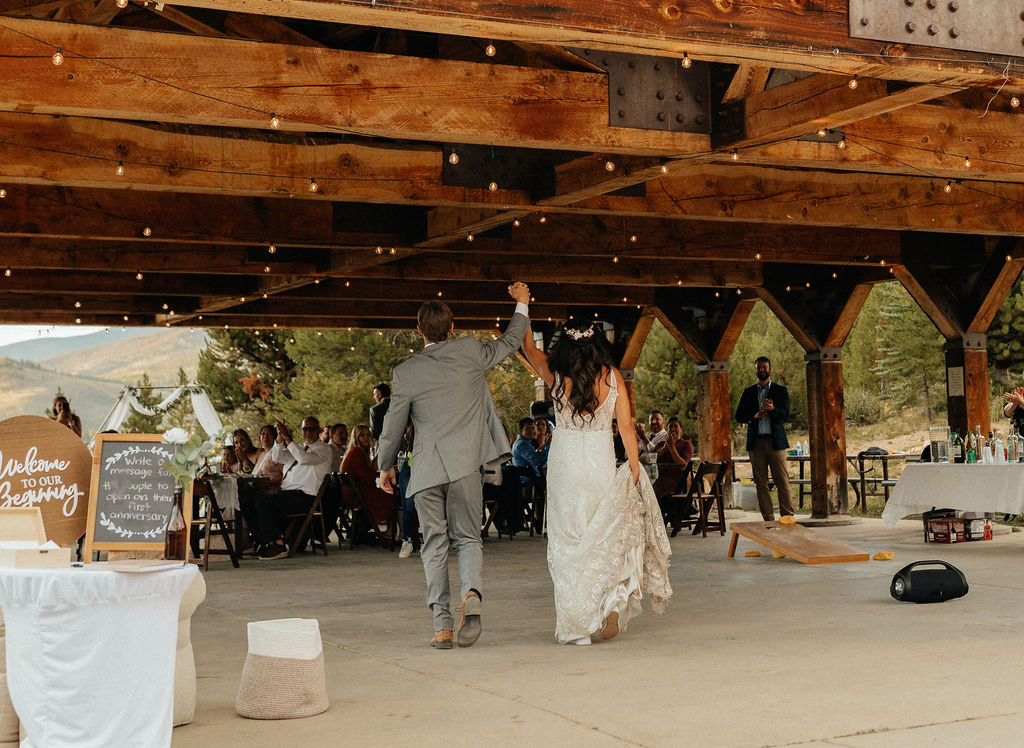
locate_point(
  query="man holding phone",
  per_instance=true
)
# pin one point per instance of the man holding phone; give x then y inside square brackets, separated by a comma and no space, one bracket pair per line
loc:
[763,407]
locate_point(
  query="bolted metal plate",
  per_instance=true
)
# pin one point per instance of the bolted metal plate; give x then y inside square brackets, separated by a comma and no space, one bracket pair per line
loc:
[654,93]
[524,169]
[993,26]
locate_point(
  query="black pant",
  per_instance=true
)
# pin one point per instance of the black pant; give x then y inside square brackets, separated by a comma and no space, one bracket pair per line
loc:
[272,510]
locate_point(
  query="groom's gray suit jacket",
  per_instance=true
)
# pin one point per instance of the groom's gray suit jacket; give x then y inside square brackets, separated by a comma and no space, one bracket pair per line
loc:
[444,390]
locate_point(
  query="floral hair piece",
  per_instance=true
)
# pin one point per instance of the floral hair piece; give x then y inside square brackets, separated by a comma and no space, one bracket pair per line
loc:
[579,335]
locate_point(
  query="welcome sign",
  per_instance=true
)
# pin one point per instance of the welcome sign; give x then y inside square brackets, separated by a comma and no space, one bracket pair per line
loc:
[45,464]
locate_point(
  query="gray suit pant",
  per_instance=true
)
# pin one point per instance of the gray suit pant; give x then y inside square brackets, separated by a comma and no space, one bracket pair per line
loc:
[762,458]
[451,510]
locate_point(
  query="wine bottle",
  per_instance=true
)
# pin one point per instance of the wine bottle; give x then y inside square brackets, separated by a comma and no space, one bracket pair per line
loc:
[971,453]
[176,538]
[956,448]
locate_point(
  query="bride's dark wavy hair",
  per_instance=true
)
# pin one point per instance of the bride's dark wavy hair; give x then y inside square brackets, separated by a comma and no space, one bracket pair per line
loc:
[579,355]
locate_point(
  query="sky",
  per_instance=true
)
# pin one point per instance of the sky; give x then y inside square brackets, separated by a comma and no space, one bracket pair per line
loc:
[16,333]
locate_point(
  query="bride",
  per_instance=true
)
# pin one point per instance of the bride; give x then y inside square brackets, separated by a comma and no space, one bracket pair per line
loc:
[606,540]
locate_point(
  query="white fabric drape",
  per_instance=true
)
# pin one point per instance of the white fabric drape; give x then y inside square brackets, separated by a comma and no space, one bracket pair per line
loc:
[129,401]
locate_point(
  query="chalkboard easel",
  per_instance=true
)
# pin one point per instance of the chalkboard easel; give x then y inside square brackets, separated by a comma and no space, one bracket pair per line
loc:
[132,495]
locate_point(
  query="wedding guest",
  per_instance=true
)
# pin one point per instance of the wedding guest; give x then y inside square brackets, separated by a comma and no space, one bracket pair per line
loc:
[410,521]
[338,445]
[673,462]
[266,467]
[651,445]
[1014,408]
[305,468]
[543,428]
[363,471]
[245,453]
[228,461]
[62,414]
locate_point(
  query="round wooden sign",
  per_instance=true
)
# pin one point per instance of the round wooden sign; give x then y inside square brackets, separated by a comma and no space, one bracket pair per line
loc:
[44,464]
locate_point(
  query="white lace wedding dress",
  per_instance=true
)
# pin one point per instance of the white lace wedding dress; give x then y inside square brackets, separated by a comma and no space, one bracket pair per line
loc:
[606,540]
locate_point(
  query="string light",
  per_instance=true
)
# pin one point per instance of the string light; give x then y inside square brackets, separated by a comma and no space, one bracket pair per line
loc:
[822,133]
[493,186]
[679,283]
[316,281]
[1014,102]
[787,289]
[632,237]
[739,291]
[735,156]
[58,57]
[274,121]
[543,218]
[490,50]
[7,271]
[686,62]
[808,284]
[757,255]
[1008,258]
[121,3]
[266,268]
[313,187]
[948,187]
[120,169]
[453,158]
[609,166]
[835,275]
[967,162]
[615,259]
[470,237]
[147,231]
[272,249]
[379,250]
[167,306]
[138,276]
[3,192]
[348,283]
[78,305]
[516,223]
[78,320]
[842,144]
[853,82]
[392,251]
[664,168]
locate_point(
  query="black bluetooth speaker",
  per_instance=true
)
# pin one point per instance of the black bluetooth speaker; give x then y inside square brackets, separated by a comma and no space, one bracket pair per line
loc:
[913,585]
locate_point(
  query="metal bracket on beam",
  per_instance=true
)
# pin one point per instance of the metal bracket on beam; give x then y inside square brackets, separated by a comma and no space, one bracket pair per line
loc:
[712,366]
[654,93]
[627,375]
[825,354]
[971,341]
[992,27]
[509,168]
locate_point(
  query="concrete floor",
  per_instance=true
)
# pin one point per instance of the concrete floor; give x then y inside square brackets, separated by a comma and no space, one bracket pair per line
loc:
[752,652]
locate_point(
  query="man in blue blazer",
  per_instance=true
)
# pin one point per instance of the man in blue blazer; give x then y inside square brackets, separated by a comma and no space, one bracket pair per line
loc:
[763,407]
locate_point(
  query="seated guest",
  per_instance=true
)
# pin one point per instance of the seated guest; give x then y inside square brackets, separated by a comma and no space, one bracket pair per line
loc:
[245,453]
[358,465]
[305,468]
[531,460]
[651,445]
[673,462]
[266,467]
[543,428]
[228,461]
[338,445]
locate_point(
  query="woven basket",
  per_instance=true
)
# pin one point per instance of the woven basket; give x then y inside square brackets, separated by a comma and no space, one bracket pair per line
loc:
[283,676]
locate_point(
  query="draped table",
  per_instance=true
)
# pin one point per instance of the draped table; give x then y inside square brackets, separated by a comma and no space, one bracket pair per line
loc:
[90,654]
[972,488]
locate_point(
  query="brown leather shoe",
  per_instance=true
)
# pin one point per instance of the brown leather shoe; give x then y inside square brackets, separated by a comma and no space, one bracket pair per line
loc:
[611,626]
[442,639]
[469,626]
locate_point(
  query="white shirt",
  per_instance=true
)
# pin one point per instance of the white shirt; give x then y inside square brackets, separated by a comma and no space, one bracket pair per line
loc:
[305,465]
[651,450]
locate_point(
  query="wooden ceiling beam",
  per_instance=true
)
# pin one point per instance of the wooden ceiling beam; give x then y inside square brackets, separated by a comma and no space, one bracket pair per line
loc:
[741,192]
[746,81]
[117,283]
[386,308]
[823,102]
[811,36]
[227,320]
[130,74]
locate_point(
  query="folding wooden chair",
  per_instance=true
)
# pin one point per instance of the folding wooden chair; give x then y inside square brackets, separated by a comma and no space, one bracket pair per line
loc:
[359,508]
[213,522]
[309,520]
[701,500]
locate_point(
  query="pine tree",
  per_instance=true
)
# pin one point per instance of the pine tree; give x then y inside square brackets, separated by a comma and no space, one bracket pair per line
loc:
[137,422]
[181,414]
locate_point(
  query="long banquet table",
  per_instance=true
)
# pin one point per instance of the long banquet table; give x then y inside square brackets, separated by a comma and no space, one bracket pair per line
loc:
[971,488]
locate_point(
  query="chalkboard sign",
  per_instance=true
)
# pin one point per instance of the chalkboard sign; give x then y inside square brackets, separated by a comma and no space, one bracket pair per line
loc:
[132,494]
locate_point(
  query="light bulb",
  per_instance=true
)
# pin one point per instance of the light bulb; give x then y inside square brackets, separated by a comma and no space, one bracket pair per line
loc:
[316,281]
[313,185]
[757,255]
[121,3]
[271,249]
[543,219]
[379,250]
[7,271]
[453,158]
[632,237]
[948,187]
[58,57]
[470,237]
[967,162]
[609,166]
[493,186]
[78,320]
[822,133]
[120,169]
[138,276]
[490,50]
[392,251]
[615,259]
[734,155]
[516,223]
[78,305]
[1014,102]
[147,231]
[835,275]
[842,144]
[3,192]
[348,283]
[167,307]
[274,121]
[853,82]
[266,268]
[664,168]
[739,291]
[787,288]
[686,62]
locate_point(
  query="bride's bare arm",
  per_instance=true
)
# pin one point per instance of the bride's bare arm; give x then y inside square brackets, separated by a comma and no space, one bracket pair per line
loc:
[537,358]
[624,417]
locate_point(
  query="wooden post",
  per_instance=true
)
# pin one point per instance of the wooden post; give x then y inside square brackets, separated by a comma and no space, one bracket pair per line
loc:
[827,424]
[714,435]
[967,393]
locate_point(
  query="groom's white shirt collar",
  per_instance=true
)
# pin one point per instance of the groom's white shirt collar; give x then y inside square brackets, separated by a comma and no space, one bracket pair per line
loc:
[521,308]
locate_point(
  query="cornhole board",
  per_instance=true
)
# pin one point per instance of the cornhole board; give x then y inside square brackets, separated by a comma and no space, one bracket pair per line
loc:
[797,542]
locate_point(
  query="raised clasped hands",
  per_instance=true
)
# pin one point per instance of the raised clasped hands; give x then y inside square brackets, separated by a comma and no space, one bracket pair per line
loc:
[282,432]
[520,292]
[1015,396]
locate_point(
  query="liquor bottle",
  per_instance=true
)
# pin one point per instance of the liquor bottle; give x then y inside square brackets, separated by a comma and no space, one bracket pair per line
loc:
[990,449]
[176,540]
[971,451]
[956,447]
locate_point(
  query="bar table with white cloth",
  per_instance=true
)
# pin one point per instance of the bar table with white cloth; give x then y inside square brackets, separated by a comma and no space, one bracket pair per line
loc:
[972,488]
[90,654]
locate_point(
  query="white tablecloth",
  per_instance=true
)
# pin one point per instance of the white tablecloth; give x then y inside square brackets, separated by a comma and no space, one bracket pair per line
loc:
[225,488]
[90,654]
[972,488]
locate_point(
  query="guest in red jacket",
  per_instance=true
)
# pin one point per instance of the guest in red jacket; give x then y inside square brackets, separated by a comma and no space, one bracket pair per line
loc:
[357,463]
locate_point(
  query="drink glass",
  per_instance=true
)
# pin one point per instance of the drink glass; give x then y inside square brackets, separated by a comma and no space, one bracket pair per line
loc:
[939,438]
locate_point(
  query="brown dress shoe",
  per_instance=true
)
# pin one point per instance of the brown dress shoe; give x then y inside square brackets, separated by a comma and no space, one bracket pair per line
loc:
[469,626]
[442,639]
[611,626]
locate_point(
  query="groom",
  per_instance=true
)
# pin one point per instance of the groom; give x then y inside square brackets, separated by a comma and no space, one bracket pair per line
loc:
[444,391]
